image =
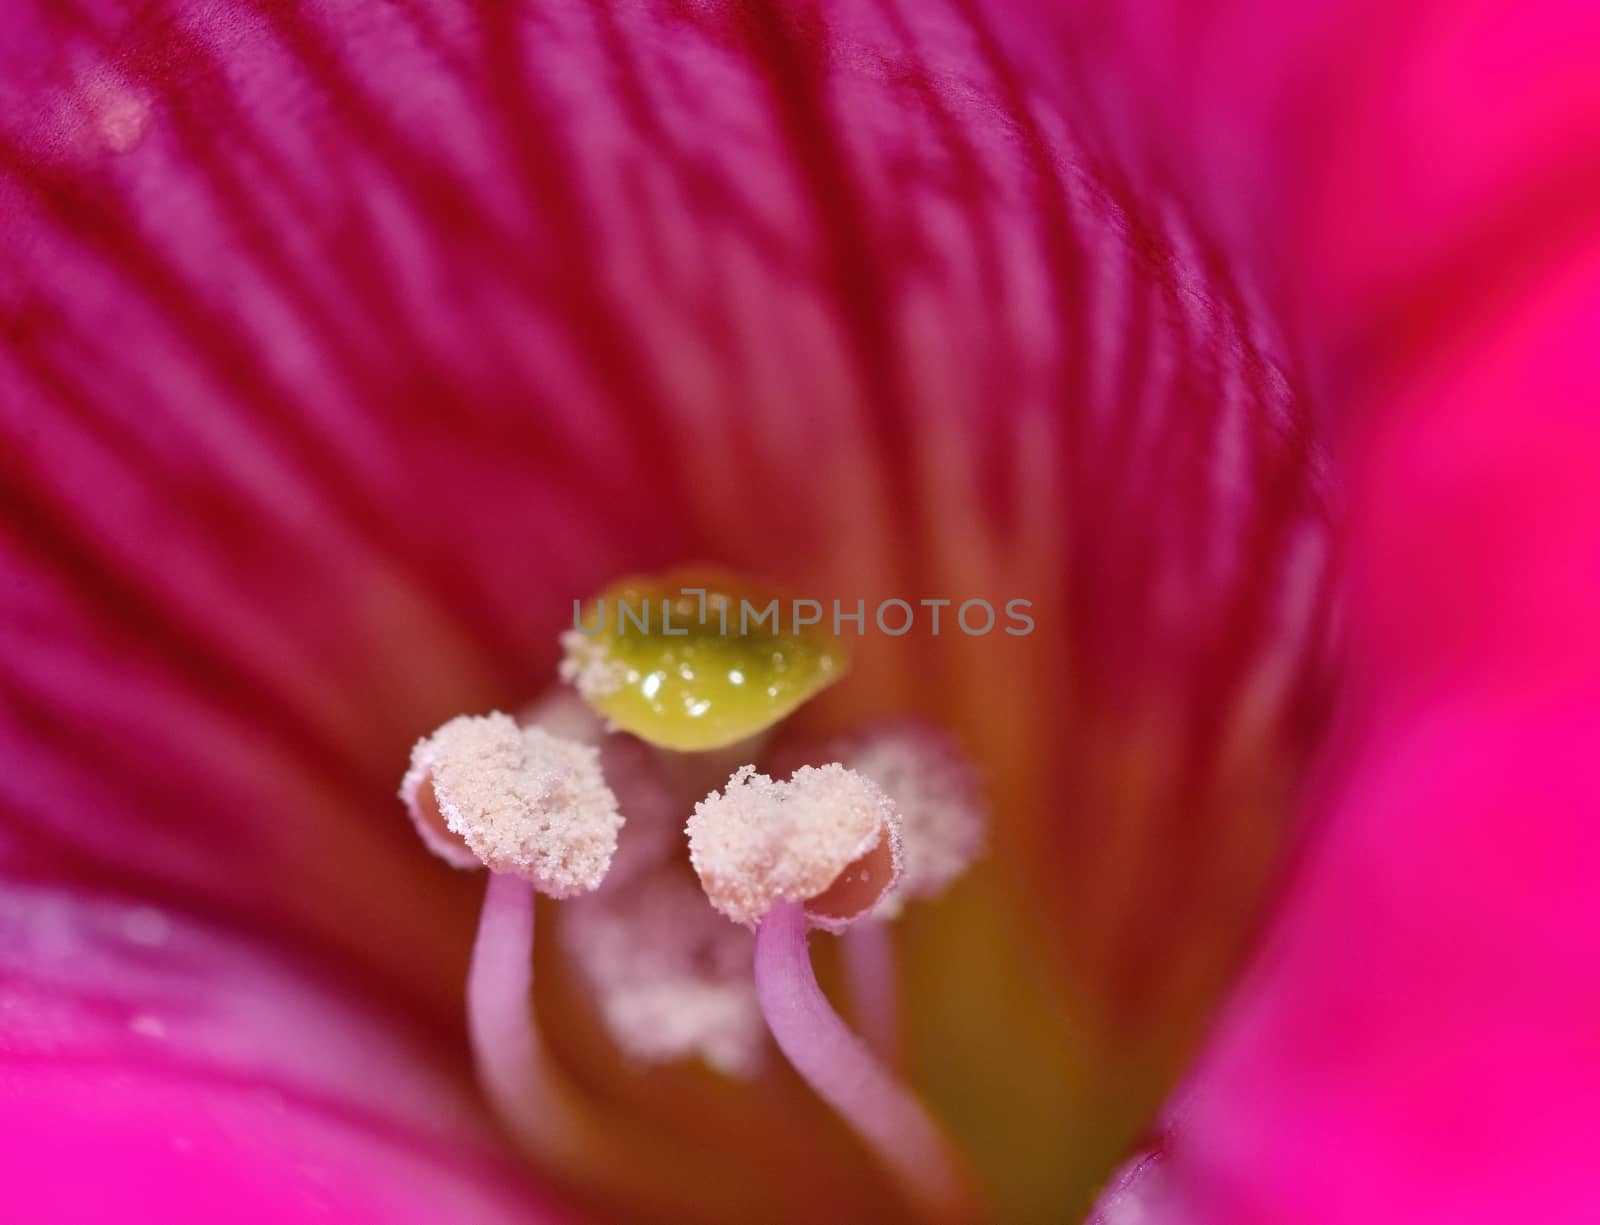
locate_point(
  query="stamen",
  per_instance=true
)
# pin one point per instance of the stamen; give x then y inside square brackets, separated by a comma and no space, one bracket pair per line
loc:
[416,793]
[514,799]
[900,1132]
[827,837]
[698,659]
[943,818]
[641,777]
[821,850]
[672,978]
[534,809]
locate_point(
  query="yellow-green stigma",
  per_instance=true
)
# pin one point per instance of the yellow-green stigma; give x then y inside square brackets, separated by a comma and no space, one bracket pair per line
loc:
[698,659]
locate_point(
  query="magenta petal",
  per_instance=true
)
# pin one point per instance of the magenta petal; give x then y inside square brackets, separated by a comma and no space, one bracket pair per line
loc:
[104,1144]
[1418,1041]
[154,1070]
[246,443]
[1399,164]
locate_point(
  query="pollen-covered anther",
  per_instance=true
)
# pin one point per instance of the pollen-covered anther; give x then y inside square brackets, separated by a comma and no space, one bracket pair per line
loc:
[935,789]
[589,668]
[483,791]
[671,977]
[828,837]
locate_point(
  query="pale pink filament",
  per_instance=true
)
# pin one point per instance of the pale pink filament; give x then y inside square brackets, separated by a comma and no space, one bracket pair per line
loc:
[512,1064]
[844,1073]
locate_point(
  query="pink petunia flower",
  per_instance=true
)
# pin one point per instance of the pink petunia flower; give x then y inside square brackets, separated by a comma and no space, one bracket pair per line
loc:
[345,344]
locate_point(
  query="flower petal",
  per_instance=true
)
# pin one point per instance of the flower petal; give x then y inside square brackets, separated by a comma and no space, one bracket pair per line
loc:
[155,1070]
[1418,1038]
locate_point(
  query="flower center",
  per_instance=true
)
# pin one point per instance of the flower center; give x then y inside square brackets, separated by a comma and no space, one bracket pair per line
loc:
[586,801]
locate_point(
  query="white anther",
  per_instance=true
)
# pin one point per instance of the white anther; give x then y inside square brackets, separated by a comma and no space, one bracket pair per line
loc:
[944,820]
[482,790]
[589,668]
[828,837]
[672,978]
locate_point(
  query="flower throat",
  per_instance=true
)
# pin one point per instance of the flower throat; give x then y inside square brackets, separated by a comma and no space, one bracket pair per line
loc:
[694,848]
